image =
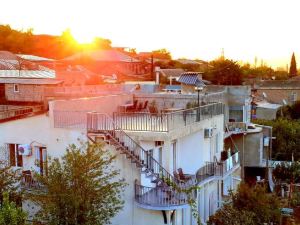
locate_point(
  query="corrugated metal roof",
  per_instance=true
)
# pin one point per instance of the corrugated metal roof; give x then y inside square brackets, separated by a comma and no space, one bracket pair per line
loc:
[29,81]
[34,58]
[27,73]
[191,78]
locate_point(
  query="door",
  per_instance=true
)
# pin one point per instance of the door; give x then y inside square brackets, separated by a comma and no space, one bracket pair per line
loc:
[41,160]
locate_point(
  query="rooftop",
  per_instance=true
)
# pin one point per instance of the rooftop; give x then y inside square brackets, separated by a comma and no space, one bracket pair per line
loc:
[191,78]
[103,55]
[279,84]
[29,81]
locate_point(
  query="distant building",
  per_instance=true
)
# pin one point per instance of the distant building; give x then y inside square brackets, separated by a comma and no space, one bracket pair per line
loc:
[190,81]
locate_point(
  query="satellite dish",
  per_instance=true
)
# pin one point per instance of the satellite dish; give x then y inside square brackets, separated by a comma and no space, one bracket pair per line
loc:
[284,102]
[264,94]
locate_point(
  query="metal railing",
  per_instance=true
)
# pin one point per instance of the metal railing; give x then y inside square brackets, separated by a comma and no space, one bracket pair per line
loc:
[236,127]
[210,169]
[70,119]
[159,196]
[97,122]
[230,163]
[29,183]
[164,122]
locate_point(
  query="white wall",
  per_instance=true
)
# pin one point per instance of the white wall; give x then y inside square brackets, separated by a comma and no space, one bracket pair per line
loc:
[194,150]
[38,129]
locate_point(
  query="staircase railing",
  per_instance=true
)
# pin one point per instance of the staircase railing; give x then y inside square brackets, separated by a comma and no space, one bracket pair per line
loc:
[99,122]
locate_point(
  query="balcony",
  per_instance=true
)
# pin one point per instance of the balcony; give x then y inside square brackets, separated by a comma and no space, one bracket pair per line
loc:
[29,183]
[160,198]
[230,164]
[165,122]
[209,171]
[235,128]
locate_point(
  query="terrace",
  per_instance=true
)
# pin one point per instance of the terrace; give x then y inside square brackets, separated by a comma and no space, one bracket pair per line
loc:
[166,121]
[138,121]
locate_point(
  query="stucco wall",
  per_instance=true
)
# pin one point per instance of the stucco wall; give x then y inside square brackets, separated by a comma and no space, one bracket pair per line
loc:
[251,148]
[266,114]
[38,130]
[104,104]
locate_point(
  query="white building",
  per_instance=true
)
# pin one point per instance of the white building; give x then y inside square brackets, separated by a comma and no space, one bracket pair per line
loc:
[149,148]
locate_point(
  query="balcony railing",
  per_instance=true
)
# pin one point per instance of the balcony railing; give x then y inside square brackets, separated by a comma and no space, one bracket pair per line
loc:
[164,122]
[210,169]
[29,183]
[230,163]
[160,196]
[235,128]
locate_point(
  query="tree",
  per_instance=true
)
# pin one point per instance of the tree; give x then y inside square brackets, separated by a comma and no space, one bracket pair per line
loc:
[287,173]
[293,66]
[249,205]
[229,215]
[162,54]
[287,142]
[224,72]
[81,188]
[9,178]
[10,214]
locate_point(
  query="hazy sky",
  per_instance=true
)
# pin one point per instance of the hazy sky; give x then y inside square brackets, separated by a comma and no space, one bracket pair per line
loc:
[268,29]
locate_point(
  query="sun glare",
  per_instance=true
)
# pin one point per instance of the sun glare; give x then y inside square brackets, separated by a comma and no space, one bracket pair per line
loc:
[83,37]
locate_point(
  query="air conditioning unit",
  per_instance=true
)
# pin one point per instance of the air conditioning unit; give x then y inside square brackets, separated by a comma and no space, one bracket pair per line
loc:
[24,150]
[208,132]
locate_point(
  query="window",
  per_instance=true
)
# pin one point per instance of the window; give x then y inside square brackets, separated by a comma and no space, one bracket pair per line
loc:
[16,88]
[41,160]
[14,158]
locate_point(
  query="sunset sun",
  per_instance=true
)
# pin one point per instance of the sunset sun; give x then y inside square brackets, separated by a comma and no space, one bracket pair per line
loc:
[83,37]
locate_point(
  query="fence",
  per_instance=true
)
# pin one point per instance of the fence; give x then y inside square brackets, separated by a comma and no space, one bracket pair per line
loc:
[70,119]
[164,122]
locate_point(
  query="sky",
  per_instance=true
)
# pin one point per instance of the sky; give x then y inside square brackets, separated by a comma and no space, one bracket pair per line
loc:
[245,29]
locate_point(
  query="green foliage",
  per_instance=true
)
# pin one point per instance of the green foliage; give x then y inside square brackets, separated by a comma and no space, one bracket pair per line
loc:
[25,42]
[248,206]
[287,142]
[224,72]
[230,215]
[9,180]
[293,66]
[81,188]
[286,172]
[15,41]
[290,111]
[10,214]
[161,54]
[295,201]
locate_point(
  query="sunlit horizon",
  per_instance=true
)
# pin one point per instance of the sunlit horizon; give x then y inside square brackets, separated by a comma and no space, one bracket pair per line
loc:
[195,29]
